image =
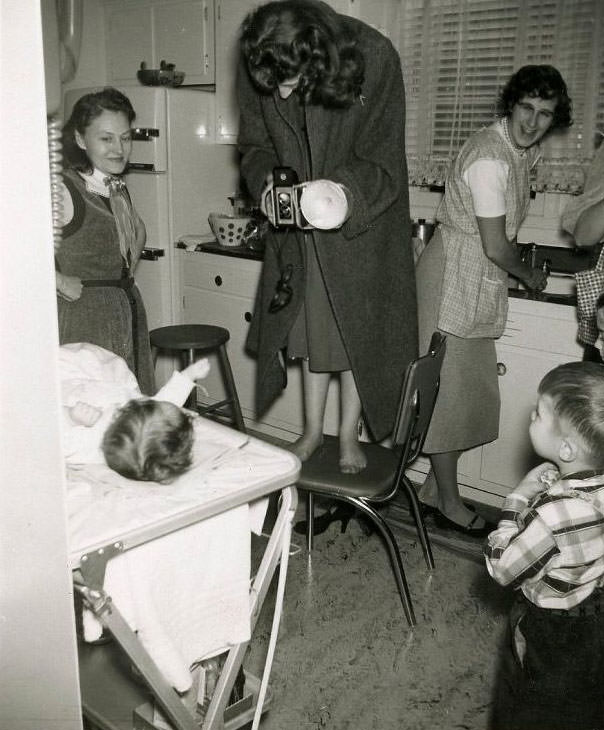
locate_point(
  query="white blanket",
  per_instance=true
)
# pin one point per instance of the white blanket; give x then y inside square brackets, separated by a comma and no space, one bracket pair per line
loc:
[186,592]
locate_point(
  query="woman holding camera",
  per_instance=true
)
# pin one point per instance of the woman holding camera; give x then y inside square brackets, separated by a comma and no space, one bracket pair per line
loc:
[323,94]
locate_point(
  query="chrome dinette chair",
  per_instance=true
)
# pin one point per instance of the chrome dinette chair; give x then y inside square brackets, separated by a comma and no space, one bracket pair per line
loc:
[385,471]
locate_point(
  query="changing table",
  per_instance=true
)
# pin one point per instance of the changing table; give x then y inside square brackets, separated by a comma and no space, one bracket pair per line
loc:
[109,516]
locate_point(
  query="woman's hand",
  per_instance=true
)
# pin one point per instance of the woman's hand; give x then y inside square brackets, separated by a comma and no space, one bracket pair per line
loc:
[268,186]
[68,287]
[536,279]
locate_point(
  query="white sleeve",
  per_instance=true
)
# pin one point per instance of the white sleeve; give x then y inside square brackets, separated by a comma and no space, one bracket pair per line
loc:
[487,180]
[176,390]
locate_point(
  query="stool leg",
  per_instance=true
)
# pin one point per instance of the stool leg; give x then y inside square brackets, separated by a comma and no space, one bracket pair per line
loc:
[187,358]
[232,389]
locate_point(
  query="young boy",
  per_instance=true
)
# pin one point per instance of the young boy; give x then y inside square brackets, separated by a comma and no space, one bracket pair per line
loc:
[106,419]
[549,545]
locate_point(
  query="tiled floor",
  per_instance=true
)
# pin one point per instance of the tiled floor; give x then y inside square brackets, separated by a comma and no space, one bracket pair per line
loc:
[346,657]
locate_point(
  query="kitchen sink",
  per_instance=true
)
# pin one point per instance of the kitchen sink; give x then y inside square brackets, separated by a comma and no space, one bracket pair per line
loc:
[562,264]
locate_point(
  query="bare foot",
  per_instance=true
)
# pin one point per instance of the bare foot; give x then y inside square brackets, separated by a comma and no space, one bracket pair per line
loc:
[305,446]
[352,457]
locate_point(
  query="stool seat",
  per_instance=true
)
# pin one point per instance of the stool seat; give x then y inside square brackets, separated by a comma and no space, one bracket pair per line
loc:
[189,337]
[191,340]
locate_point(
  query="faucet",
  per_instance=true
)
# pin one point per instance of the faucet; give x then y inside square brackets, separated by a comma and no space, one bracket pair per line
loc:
[529,255]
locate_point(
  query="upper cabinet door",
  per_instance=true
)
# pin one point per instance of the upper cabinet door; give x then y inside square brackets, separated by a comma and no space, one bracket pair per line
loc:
[129,40]
[152,31]
[184,36]
[229,16]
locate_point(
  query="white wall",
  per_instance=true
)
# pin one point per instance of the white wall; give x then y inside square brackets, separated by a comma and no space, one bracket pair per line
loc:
[38,668]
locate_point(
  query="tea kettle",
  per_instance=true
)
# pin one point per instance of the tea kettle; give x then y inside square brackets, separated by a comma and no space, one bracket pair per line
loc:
[422,230]
[421,233]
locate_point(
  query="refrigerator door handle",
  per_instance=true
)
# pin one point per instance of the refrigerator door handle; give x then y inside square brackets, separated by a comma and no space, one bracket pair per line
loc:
[144,134]
[152,254]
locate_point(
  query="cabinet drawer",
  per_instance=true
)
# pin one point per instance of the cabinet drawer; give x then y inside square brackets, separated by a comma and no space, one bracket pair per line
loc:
[548,334]
[220,274]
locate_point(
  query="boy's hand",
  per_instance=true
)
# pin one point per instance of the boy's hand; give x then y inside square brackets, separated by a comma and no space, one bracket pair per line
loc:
[537,480]
[198,370]
[84,414]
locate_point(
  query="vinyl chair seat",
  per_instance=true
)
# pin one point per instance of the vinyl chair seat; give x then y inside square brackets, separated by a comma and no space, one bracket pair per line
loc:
[322,474]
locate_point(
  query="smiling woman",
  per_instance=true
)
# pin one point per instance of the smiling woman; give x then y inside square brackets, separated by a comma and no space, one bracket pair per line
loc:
[103,236]
[462,275]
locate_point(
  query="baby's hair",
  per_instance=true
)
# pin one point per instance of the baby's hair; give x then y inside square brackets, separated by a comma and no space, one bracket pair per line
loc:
[577,393]
[149,440]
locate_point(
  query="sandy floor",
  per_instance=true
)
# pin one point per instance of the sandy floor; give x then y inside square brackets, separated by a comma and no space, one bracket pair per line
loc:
[346,657]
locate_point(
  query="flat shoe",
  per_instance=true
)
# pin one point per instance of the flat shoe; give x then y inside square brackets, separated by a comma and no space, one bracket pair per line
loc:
[469,530]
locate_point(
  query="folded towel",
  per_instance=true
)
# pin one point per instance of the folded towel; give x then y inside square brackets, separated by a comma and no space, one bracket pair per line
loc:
[186,593]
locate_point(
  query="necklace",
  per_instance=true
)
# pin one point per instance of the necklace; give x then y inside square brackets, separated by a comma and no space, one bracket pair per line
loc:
[509,140]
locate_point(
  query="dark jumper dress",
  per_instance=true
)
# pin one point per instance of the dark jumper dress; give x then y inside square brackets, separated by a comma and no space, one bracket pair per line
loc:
[314,335]
[103,314]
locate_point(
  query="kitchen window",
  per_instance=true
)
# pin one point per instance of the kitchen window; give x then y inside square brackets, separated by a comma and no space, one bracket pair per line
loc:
[456,56]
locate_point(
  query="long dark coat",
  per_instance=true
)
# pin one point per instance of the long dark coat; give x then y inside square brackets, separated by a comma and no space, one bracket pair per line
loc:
[367,265]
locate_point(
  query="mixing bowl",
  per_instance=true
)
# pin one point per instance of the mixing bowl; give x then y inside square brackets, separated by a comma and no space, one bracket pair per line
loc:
[228,229]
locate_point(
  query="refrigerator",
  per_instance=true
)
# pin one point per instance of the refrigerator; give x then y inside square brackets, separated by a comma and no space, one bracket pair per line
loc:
[178,174]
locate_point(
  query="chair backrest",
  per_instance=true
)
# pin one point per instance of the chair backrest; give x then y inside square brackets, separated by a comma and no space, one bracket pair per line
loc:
[420,388]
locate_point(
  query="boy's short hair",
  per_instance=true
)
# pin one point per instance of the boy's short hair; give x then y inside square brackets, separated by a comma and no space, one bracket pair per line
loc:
[149,440]
[577,393]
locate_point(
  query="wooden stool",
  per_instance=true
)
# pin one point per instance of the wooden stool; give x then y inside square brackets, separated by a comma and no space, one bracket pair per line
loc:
[192,340]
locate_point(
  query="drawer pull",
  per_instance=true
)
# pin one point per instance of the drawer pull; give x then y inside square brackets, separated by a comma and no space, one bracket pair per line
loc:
[501,368]
[247,316]
[218,280]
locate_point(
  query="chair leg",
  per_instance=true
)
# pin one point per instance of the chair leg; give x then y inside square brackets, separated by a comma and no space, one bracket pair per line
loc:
[419,522]
[394,554]
[310,509]
[232,389]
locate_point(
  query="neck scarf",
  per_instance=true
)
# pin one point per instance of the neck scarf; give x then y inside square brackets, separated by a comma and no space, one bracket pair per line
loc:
[124,220]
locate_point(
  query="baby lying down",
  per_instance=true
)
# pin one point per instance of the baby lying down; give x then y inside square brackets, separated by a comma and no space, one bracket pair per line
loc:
[106,419]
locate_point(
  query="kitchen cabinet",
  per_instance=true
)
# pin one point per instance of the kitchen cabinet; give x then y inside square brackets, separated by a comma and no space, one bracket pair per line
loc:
[176,31]
[229,16]
[539,335]
[220,290]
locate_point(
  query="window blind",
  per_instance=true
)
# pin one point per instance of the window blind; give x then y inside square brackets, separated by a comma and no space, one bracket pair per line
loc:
[458,54]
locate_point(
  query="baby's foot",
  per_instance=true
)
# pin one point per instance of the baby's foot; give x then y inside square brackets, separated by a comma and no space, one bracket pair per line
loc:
[305,446]
[352,457]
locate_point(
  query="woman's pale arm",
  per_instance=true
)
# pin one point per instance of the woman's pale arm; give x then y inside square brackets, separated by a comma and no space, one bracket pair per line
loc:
[590,225]
[498,249]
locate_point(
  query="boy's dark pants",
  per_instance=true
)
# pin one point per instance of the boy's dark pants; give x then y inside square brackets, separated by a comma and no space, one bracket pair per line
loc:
[560,683]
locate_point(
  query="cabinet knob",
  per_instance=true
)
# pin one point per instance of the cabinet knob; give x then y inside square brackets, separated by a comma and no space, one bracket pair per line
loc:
[501,368]
[247,316]
[218,280]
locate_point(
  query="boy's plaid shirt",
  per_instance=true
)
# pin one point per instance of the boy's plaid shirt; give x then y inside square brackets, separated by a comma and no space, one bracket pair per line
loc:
[552,548]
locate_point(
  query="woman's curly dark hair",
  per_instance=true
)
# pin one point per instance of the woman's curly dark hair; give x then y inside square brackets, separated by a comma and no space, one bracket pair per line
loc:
[286,38]
[85,110]
[149,440]
[543,81]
